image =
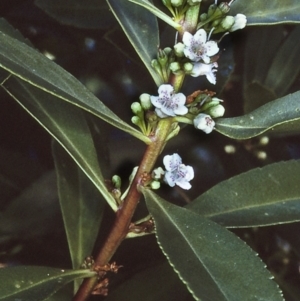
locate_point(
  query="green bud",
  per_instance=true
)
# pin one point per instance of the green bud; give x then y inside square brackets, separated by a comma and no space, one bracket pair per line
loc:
[224,7]
[227,22]
[145,101]
[176,3]
[156,66]
[216,22]
[175,67]
[188,67]
[116,181]
[211,10]
[166,3]
[155,185]
[178,48]
[216,111]
[162,57]
[203,17]
[135,120]
[136,108]
[168,50]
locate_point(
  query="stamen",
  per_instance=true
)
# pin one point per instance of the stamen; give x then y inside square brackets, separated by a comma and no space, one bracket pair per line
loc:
[210,33]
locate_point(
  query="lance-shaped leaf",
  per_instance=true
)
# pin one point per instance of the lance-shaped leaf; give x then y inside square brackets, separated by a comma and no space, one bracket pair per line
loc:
[36,69]
[213,262]
[82,14]
[157,12]
[279,115]
[28,283]
[81,206]
[141,29]
[260,197]
[66,123]
[260,12]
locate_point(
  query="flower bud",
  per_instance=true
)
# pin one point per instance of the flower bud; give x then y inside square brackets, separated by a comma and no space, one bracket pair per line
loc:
[145,101]
[204,123]
[162,57]
[216,111]
[178,48]
[135,120]
[116,181]
[188,67]
[155,185]
[227,22]
[176,3]
[157,173]
[211,10]
[203,17]
[224,7]
[136,108]
[240,22]
[175,67]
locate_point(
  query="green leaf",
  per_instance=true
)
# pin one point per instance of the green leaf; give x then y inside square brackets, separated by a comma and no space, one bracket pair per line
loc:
[278,115]
[260,197]
[157,12]
[141,29]
[81,206]
[213,262]
[87,14]
[36,69]
[260,12]
[66,123]
[285,67]
[153,284]
[30,283]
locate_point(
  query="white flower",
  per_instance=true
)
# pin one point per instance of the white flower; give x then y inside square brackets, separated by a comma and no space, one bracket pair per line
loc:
[197,47]
[168,103]
[177,173]
[204,123]
[209,70]
[240,22]
[158,173]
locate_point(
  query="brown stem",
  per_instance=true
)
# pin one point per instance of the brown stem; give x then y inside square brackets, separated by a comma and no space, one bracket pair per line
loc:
[126,211]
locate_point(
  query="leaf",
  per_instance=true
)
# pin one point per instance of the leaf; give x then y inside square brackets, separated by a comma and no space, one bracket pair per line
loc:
[87,14]
[66,123]
[213,262]
[285,67]
[30,283]
[260,197]
[157,12]
[81,206]
[282,113]
[155,283]
[36,69]
[260,12]
[141,29]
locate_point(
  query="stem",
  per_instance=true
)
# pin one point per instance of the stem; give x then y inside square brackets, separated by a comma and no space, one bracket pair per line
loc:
[124,214]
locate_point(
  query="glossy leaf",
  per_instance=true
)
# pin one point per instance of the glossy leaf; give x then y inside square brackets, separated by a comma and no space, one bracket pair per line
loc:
[260,12]
[141,29]
[28,283]
[36,69]
[278,115]
[78,13]
[157,12]
[81,206]
[153,284]
[210,260]
[66,123]
[260,197]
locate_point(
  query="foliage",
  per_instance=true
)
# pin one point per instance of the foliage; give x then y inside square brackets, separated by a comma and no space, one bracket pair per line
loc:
[98,215]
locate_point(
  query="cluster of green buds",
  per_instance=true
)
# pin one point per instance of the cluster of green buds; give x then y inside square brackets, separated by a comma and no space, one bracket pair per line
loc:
[216,18]
[144,117]
[204,102]
[165,58]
